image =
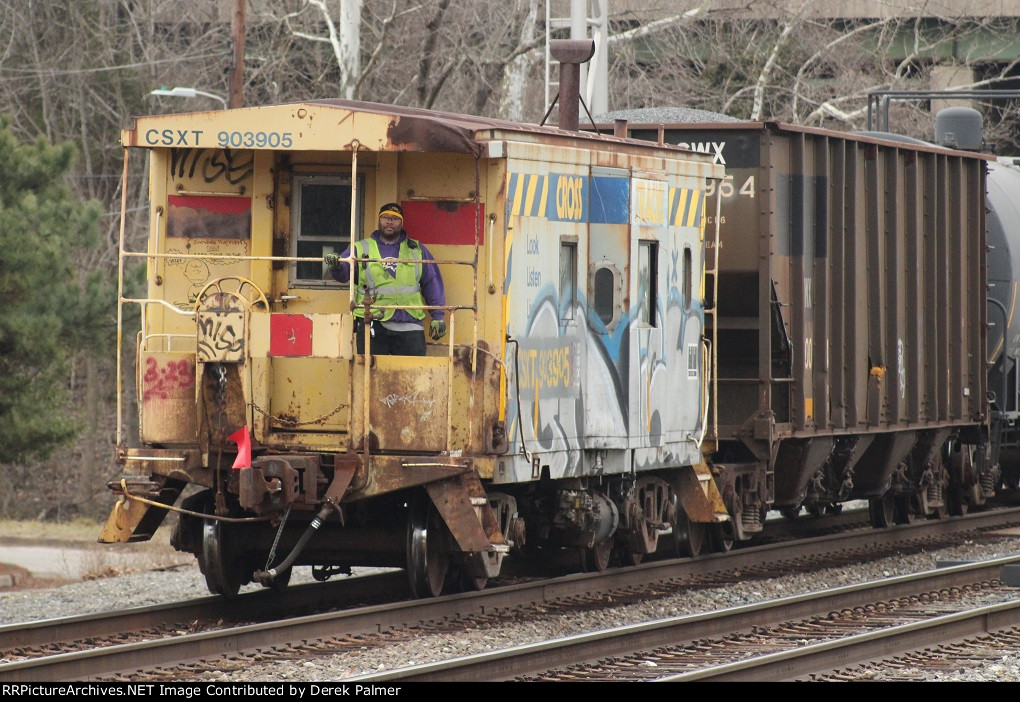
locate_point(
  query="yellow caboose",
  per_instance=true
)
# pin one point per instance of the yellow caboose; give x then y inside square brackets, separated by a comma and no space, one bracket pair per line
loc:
[566,405]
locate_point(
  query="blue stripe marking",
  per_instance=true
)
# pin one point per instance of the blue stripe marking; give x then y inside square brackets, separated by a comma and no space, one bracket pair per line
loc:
[609,201]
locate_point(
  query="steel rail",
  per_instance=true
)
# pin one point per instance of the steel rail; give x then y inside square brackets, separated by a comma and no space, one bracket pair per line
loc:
[545,656]
[112,659]
[245,607]
[860,648]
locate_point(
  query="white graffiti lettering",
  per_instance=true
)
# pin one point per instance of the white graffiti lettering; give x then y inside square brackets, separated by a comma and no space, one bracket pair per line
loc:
[415,399]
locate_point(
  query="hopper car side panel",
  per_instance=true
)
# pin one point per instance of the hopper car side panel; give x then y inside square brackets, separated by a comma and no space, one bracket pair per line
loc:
[851,312]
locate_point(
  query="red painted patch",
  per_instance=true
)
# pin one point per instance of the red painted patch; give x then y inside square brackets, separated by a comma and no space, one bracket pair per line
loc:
[212,203]
[290,335]
[444,222]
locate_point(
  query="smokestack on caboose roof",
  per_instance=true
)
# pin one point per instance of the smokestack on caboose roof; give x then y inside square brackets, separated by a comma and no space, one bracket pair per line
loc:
[571,54]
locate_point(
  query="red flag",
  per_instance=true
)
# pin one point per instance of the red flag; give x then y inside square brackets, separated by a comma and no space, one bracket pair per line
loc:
[242,438]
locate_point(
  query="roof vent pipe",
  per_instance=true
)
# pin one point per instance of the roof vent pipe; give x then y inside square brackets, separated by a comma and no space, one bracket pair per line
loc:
[571,53]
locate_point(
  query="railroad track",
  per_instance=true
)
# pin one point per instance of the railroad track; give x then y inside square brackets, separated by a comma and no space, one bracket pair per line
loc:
[770,641]
[162,649]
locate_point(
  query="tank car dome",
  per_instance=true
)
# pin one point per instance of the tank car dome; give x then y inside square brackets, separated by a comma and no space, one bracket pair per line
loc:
[1004,257]
[959,128]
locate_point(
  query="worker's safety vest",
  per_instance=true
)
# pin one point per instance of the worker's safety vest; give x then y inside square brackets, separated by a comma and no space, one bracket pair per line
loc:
[403,290]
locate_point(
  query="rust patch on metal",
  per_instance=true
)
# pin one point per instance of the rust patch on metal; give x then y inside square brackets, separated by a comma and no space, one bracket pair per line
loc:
[453,500]
[422,134]
[343,475]
[351,462]
[388,474]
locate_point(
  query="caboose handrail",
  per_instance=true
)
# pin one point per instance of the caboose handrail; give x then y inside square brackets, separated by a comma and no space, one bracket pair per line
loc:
[169,305]
[143,342]
[120,297]
[291,259]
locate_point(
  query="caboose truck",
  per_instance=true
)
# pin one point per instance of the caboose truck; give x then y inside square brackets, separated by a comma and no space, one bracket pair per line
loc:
[566,408]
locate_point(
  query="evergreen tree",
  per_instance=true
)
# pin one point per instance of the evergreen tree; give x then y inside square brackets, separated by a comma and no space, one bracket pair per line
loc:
[48,308]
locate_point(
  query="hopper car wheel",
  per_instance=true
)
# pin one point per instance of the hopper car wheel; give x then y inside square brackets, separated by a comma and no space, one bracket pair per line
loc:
[790,513]
[688,536]
[224,572]
[721,536]
[596,558]
[427,560]
[902,512]
[882,511]
[958,505]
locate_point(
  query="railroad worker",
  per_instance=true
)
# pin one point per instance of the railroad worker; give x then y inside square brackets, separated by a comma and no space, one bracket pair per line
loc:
[398,332]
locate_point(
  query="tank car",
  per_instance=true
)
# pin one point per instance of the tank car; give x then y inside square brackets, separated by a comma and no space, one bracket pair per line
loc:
[567,408]
[851,321]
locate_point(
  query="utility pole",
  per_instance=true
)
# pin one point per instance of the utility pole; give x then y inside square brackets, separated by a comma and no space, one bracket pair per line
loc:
[237,35]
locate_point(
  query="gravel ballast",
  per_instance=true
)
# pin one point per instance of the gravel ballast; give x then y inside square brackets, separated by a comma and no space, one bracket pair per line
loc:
[157,586]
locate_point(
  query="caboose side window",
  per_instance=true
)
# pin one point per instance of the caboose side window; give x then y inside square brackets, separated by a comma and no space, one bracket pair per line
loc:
[605,295]
[648,280]
[320,224]
[688,274]
[568,276]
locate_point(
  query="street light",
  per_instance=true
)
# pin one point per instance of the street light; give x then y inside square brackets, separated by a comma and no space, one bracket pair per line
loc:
[188,93]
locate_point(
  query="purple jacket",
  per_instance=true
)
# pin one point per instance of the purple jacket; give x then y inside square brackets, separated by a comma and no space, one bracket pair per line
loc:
[431,282]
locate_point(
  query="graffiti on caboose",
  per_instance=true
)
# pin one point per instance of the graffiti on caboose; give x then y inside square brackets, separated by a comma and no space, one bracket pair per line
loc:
[167,380]
[212,165]
[583,384]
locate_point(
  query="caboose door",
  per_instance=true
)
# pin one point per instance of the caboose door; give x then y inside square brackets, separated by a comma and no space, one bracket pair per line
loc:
[606,379]
[305,343]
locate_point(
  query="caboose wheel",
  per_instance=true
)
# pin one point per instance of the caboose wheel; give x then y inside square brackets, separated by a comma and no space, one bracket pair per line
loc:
[219,562]
[629,558]
[688,536]
[596,558]
[471,583]
[281,581]
[427,559]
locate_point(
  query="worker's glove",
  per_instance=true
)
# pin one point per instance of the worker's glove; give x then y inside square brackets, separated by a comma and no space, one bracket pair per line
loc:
[437,330]
[333,260]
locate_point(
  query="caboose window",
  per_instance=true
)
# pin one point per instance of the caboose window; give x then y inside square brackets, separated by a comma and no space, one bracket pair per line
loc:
[648,280]
[688,275]
[604,296]
[321,223]
[568,276]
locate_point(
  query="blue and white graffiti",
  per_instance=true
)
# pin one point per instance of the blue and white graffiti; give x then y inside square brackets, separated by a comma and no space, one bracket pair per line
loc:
[605,320]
